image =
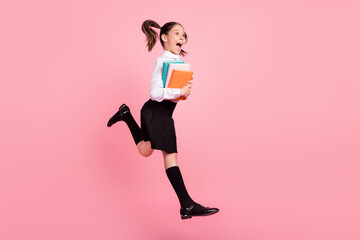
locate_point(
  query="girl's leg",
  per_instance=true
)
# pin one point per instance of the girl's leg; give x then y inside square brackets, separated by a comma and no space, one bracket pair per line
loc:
[170,159]
[124,114]
[175,177]
[144,148]
[189,208]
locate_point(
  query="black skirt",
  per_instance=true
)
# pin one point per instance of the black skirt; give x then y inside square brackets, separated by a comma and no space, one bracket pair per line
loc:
[157,125]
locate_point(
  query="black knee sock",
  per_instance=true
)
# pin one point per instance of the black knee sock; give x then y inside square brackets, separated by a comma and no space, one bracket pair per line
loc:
[177,182]
[134,127]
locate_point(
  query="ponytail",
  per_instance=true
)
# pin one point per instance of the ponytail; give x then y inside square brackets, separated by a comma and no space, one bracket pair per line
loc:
[151,35]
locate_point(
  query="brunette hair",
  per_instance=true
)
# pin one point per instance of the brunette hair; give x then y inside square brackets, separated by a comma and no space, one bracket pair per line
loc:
[151,35]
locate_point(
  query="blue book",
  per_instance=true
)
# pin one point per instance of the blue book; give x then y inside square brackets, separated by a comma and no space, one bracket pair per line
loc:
[166,68]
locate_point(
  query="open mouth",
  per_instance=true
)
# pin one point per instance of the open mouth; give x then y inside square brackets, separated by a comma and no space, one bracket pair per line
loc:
[179,45]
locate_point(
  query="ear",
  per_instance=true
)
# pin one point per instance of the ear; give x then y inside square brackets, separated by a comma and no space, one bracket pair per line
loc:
[164,37]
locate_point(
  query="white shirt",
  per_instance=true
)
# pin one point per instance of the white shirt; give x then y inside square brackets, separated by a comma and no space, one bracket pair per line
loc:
[157,91]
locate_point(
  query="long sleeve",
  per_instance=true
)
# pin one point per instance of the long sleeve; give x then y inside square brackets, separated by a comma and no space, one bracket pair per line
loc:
[157,91]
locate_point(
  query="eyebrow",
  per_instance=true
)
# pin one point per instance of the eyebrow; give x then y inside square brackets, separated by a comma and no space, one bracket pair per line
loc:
[177,30]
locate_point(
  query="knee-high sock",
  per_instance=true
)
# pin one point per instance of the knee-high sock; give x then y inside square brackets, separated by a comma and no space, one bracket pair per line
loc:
[134,127]
[177,182]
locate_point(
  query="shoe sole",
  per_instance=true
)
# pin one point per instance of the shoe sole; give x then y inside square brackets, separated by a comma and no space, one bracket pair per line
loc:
[202,215]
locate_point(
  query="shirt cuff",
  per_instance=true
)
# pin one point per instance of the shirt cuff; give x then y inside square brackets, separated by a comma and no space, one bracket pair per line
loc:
[177,92]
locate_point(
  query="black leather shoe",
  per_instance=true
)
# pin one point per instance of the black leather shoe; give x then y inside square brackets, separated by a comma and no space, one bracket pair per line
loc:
[196,210]
[123,109]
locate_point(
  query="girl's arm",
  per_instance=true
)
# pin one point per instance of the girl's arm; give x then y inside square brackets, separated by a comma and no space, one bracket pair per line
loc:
[157,91]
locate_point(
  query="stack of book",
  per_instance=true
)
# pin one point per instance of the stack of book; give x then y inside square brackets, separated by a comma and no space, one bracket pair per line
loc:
[176,74]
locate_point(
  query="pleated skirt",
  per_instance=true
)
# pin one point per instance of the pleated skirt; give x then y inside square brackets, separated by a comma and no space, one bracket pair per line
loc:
[157,125]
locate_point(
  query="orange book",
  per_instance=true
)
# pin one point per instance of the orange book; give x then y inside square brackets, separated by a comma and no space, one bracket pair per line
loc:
[179,79]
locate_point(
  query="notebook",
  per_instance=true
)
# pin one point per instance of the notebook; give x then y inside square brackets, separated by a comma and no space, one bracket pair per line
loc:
[172,66]
[179,79]
[166,67]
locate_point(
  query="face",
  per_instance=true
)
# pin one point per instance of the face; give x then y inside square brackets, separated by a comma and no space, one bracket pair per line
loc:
[174,40]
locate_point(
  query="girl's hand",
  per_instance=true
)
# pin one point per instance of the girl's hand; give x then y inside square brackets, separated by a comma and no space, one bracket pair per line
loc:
[185,92]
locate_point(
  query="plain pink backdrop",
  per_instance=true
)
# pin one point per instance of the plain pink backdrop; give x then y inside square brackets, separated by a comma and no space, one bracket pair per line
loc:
[270,134]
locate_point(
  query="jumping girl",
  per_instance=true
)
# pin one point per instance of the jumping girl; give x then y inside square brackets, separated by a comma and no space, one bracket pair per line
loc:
[157,125]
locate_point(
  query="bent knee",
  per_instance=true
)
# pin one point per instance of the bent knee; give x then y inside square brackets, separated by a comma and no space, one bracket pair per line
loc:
[147,153]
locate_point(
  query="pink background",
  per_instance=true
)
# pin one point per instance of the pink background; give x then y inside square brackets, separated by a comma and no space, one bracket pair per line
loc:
[270,134]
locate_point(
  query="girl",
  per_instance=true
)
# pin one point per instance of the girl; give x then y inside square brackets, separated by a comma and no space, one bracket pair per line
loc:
[157,125]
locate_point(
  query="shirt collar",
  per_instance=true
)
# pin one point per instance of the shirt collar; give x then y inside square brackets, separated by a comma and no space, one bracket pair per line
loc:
[171,55]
